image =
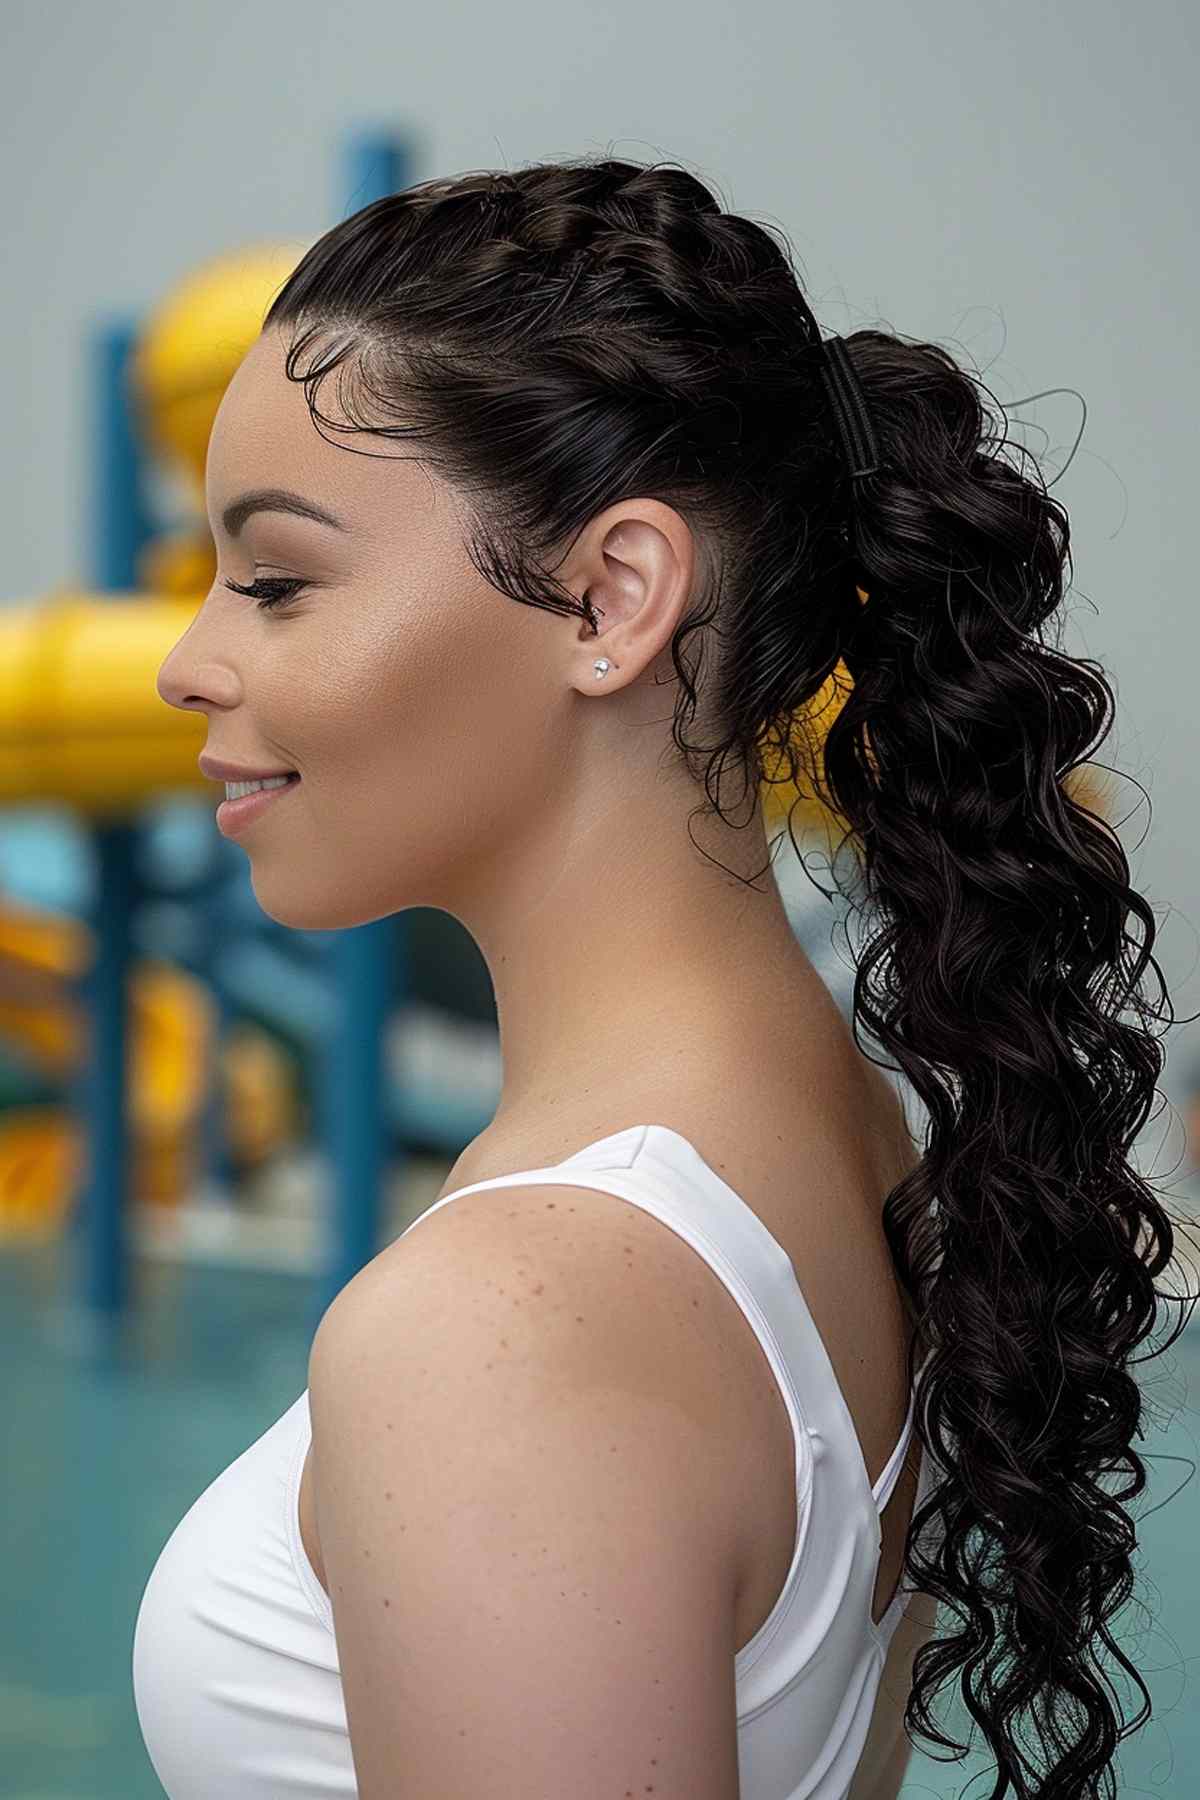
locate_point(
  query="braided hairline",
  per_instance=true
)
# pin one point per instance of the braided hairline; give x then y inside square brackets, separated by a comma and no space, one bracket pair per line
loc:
[745,244]
[730,250]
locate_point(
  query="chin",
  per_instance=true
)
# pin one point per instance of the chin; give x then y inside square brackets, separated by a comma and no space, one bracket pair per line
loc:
[316,912]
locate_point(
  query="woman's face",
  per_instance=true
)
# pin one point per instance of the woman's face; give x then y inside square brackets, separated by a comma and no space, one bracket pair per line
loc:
[456,750]
[420,707]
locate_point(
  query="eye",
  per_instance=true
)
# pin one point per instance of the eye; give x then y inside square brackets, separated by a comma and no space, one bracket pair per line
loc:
[269,591]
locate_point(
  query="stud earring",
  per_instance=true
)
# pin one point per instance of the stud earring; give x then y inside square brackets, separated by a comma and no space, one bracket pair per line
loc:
[601,666]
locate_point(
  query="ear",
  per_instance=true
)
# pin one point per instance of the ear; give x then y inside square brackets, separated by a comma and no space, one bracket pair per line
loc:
[635,564]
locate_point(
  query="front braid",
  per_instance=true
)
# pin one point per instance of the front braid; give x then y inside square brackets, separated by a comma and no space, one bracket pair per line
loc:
[562,336]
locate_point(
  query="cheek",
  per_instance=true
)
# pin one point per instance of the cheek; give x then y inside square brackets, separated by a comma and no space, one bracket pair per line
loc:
[437,731]
[413,786]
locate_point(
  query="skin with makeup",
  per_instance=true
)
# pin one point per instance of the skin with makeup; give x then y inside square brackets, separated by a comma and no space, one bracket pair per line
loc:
[447,747]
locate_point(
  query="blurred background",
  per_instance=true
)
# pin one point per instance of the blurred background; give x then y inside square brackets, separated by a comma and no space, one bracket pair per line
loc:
[209,1122]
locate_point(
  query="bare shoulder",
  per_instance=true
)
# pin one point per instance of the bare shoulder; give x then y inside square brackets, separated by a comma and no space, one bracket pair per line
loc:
[501,1456]
[549,1297]
[578,1278]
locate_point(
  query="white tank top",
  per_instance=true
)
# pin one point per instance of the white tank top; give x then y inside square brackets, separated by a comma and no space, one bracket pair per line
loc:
[235,1665]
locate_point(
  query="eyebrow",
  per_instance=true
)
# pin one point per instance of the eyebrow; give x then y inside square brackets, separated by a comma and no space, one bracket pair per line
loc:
[276,500]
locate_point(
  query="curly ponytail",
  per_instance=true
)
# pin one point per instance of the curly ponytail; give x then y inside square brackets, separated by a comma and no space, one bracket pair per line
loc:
[568,334]
[1003,959]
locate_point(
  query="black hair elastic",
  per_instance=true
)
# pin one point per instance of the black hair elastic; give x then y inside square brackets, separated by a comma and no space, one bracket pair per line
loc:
[848,404]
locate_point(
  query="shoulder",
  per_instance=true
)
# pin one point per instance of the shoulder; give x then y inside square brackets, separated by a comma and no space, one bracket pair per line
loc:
[540,1319]
[551,1289]
[521,1511]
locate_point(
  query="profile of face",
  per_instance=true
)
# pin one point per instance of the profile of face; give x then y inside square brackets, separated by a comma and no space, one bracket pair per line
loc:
[440,729]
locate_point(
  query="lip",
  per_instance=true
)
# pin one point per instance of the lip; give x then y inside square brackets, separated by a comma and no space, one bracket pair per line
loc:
[223,771]
[235,816]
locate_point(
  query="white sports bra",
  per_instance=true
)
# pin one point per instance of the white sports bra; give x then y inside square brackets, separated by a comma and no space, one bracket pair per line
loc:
[235,1665]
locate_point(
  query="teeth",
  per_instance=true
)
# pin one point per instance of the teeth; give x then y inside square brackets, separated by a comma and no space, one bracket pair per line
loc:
[235,789]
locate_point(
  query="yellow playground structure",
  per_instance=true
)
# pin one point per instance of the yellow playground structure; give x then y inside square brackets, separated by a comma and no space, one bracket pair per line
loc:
[42,956]
[82,726]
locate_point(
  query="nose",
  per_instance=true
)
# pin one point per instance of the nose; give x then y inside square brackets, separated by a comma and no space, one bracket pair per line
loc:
[192,682]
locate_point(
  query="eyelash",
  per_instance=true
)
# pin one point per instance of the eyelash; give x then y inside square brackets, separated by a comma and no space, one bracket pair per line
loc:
[269,590]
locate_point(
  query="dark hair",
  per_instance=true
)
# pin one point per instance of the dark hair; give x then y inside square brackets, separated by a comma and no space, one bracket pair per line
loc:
[566,335]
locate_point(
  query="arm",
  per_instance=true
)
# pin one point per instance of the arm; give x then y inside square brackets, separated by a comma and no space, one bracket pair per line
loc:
[522,1525]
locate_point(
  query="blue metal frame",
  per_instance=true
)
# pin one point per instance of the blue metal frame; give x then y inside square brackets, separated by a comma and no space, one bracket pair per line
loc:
[362,960]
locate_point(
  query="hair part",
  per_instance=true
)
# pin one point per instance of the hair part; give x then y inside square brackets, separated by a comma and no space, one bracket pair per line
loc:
[569,334]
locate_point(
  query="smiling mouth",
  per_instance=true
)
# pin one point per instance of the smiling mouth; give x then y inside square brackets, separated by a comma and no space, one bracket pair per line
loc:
[238,811]
[262,783]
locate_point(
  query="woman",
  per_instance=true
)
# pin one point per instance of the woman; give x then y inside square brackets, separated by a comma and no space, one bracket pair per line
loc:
[641,1461]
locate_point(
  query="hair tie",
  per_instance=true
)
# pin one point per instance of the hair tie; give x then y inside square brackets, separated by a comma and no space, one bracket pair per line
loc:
[848,404]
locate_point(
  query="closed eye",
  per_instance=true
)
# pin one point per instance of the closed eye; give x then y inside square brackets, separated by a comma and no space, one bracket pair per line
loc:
[269,590]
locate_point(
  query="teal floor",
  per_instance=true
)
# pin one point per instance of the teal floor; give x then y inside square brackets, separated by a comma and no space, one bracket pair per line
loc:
[102,1455]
